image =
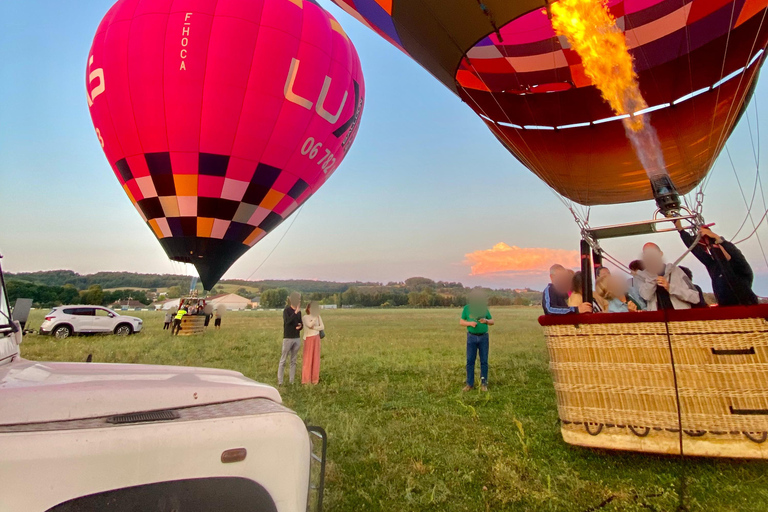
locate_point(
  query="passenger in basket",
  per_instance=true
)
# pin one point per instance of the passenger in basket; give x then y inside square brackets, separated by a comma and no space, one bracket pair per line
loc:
[635,266]
[554,299]
[728,268]
[576,297]
[602,271]
[664,286]
[702,302]
[613,291]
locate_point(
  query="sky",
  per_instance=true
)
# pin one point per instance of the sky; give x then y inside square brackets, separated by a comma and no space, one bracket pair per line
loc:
[426,190]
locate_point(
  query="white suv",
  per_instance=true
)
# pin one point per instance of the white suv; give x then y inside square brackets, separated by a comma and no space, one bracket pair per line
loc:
[63,321]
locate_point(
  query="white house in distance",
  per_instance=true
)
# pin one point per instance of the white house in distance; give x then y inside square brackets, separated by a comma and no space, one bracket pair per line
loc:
[167,304]
[231,301]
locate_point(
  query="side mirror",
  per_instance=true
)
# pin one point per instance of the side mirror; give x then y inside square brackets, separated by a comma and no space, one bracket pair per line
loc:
[111,315]
[18,333]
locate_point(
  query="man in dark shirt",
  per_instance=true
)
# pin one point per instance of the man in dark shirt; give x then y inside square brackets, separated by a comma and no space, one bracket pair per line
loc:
[728,268]
[554,299]
[291,337]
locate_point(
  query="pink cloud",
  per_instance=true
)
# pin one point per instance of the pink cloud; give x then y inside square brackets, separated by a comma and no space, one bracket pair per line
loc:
[509,259]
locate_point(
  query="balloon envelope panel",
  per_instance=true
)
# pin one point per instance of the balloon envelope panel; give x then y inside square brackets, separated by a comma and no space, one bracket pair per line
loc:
[506,62]
[221,117]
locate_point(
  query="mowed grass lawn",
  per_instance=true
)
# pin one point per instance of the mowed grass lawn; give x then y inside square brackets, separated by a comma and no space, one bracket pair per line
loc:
[402,435]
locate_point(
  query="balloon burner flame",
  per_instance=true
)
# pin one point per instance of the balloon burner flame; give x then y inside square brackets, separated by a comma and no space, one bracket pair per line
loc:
[592,32]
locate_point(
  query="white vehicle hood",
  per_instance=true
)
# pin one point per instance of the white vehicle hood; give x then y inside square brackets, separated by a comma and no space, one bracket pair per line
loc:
[34,392]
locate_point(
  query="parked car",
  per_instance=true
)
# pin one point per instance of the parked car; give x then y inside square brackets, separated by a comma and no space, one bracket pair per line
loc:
[64,321]
[80,437]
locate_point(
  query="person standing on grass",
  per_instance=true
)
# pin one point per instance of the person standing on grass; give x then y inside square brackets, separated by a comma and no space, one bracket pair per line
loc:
[167,322]
[291,337]
[310,359]
[219,312]
[476,318]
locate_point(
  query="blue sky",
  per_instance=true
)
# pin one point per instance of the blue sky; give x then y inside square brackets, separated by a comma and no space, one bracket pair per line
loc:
[424,185]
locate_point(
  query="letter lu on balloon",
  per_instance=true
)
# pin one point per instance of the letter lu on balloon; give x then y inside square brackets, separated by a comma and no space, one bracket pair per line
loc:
[221,117]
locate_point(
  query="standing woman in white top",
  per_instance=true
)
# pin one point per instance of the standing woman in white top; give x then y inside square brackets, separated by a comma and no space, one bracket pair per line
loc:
[313,324]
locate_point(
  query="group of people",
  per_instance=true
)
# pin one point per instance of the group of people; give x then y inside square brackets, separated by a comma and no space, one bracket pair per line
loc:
[294,322]
[657,285]
[174,317]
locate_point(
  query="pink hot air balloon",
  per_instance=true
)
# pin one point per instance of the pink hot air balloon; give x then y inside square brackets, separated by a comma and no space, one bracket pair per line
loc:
[220,117]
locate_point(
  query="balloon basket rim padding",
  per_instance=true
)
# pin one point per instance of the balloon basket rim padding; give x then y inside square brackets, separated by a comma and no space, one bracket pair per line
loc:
[665,382]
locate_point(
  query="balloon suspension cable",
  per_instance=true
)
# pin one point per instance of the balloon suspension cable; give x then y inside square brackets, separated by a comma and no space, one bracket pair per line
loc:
[296,216]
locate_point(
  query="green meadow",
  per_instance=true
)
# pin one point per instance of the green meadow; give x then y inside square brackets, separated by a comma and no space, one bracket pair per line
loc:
[404,437]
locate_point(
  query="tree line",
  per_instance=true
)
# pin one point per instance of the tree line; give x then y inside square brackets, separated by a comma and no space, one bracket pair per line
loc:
[415,292]
[49,296]
[58,287]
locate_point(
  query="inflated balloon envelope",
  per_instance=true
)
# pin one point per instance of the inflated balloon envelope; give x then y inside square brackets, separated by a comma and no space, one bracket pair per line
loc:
[221,117]
[697,62]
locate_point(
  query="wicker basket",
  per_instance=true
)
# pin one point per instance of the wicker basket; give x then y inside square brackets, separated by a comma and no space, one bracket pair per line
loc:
[633,381]
[192,325]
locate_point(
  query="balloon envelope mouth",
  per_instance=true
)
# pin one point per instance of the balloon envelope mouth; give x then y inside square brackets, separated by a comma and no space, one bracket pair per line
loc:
[211,257]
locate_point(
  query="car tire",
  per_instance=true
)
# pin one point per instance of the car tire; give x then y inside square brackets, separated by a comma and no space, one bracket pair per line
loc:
[61,332]
[124,330]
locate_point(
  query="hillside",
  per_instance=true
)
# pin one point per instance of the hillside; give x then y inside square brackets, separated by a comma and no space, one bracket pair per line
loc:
[56,286]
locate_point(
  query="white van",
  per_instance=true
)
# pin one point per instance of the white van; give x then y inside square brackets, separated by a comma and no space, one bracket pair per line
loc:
[78,437]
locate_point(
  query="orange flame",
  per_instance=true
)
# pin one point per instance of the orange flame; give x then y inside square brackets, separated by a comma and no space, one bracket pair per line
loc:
[592,32]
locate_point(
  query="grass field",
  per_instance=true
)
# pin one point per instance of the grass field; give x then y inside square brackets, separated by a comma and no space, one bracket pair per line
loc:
[402,435]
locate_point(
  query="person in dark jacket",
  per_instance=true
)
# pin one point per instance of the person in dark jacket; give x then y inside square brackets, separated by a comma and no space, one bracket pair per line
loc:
[554,299]
[291,337]
[728,268]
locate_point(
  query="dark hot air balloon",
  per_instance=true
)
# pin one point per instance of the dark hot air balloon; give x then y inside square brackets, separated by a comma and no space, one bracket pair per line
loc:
[221,117]
[696,61]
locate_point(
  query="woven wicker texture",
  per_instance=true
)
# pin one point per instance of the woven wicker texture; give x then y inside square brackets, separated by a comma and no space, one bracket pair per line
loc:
[192,324]
[609,377]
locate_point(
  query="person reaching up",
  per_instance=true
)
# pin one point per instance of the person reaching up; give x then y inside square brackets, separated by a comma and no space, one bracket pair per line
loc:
[729,270]
[554,299]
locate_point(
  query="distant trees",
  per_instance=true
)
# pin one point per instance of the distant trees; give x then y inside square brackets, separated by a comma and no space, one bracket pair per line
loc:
[48,296]
[427,298]
[107,280]
[41,295]
[67,287]
[93,295]
[419,283]
[275,298]
[118,295]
